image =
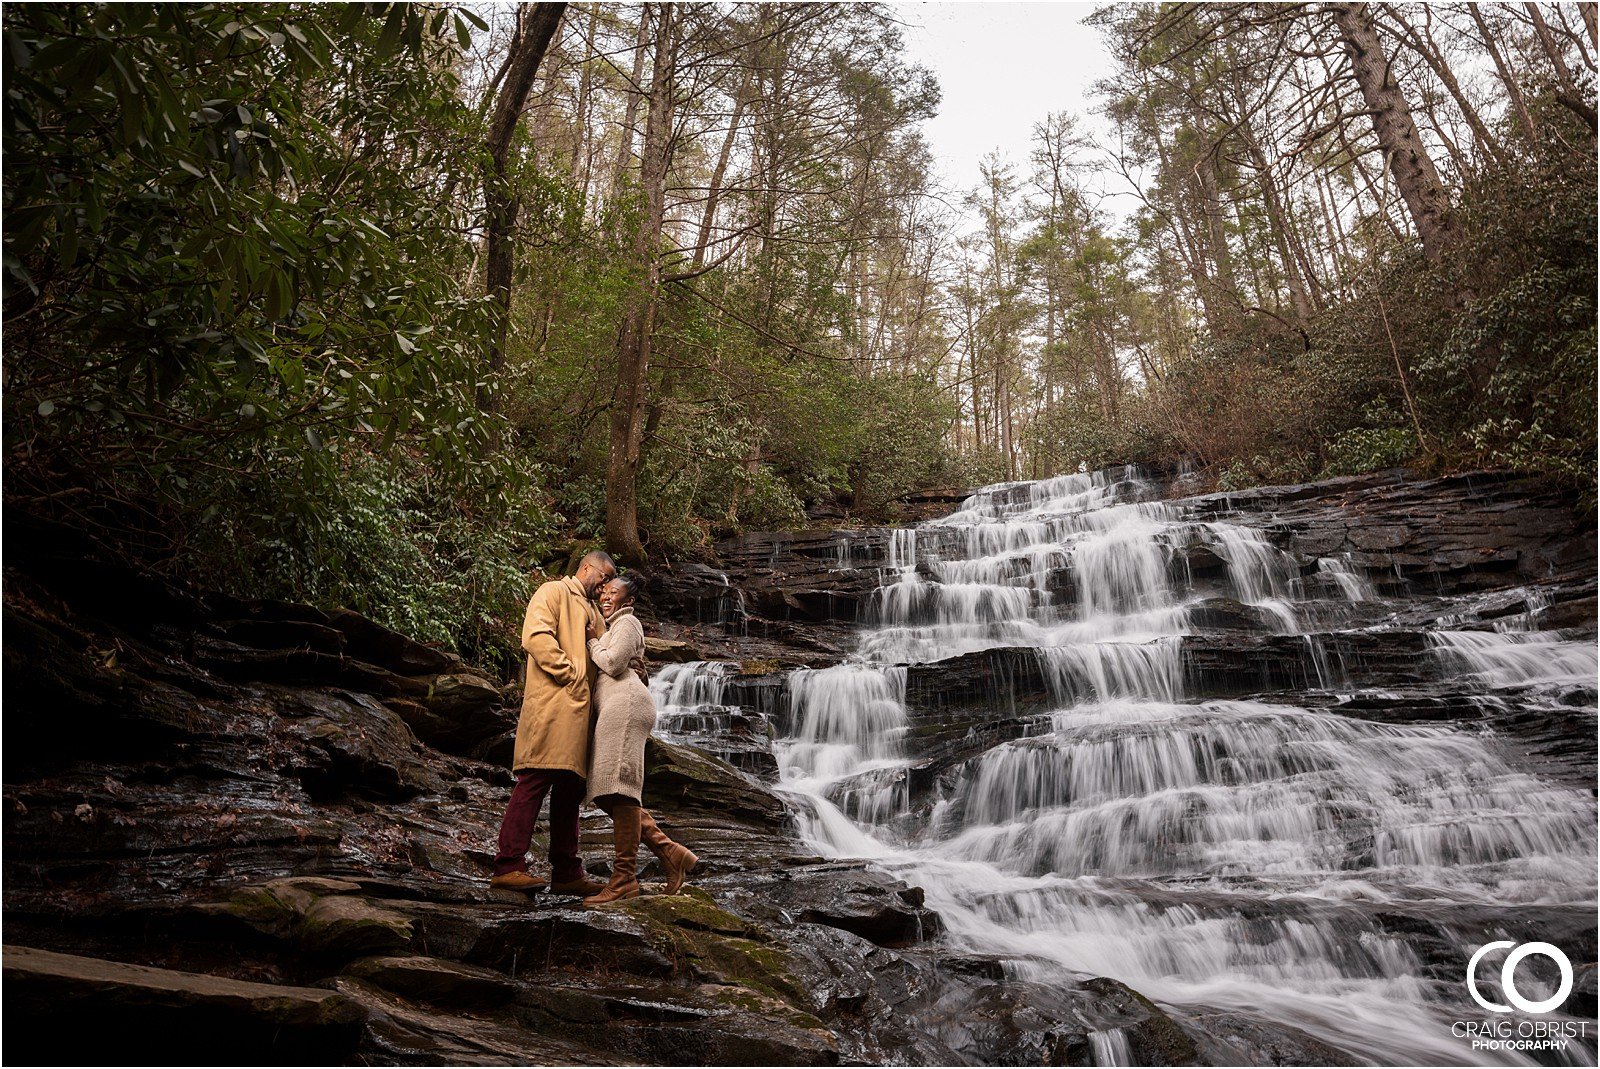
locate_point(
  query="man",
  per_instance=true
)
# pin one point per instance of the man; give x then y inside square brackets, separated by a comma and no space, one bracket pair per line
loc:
[552,751]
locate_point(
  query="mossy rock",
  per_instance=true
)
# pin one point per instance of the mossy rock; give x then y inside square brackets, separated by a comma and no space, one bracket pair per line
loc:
[346,927]
[277,908]
[715,946]
[753,1001]
[695,909]
[322,915]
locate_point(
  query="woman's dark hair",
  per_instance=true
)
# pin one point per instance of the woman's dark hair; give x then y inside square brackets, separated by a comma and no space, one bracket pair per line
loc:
[629,584]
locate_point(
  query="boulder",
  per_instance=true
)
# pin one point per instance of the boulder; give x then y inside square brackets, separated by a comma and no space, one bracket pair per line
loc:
[677,777]
[352,744]
[345,926]
[848,895]
[455,712]
[323,917]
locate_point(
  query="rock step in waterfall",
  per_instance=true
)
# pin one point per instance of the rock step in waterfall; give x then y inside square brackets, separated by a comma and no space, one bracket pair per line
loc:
[1169,751]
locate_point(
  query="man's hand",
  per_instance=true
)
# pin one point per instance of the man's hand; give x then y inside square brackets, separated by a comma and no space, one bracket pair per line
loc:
[640,670]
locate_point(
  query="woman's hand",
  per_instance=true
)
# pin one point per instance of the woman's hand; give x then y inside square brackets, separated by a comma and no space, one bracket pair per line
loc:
[592,627]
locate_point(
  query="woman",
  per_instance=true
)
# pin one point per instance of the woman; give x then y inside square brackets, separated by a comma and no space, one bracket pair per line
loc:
[625,716]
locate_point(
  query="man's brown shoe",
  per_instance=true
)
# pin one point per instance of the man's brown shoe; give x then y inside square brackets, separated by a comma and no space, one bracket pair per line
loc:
[516,881]
[580,886]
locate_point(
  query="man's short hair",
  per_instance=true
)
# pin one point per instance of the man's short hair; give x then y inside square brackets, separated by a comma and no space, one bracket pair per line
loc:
[599,558]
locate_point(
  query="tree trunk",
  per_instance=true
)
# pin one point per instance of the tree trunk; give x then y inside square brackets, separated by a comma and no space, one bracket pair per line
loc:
[630,398]
[1413,170]
[1188,246]
[583,143]
[1518,104]
[536,25]
[1425,45]
[1570,95]
[630,113]
[1278,223]
[669,380]
[1224,280]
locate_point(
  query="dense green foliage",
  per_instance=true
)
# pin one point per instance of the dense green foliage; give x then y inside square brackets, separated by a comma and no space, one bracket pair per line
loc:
[244,321]
[235,339]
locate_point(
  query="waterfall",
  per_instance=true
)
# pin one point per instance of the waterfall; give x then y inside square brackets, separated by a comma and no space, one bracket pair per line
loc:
[689,698]
[1214,854]
[1510,658]
[1352,581]
[1110,1047]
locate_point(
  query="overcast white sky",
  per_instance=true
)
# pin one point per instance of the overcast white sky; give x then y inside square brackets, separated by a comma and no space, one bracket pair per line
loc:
[1002,67]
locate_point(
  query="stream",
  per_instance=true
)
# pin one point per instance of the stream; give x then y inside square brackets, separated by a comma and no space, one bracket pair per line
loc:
[1272,856]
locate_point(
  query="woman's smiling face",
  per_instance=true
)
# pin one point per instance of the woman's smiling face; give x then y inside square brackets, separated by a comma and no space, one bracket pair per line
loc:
[613,596]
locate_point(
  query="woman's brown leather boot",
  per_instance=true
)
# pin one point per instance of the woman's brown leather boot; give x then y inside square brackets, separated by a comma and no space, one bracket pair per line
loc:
[676,859]
[625,866]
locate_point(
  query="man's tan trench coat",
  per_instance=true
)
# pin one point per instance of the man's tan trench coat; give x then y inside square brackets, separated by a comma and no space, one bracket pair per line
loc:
[553,731]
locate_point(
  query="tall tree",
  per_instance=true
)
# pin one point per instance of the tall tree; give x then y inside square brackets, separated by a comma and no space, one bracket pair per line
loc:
[536,26]
[629,401]
[1414,173]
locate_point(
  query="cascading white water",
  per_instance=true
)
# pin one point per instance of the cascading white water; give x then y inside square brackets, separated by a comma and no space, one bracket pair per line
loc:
[1352,580]
[689,697]
[1510,658]
[1210,853]
[1110,1047]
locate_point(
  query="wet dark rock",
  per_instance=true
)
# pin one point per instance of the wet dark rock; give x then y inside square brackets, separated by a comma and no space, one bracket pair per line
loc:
[677,777]
[376,644]
[704,1024]
[456,712]
[436,980]
[266,793]
[1454,534]
[1224,663]
[116,1012]
[670,651]
[1226,614]
[400,1032]
[848,895]
[352,744]
[324,918]
[338,927]
[1002,681]
[1223,1038]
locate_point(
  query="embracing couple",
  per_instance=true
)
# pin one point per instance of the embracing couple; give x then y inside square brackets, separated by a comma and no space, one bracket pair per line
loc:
[584,642]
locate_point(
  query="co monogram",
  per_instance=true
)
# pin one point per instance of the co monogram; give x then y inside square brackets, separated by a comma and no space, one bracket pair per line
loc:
[1508,977]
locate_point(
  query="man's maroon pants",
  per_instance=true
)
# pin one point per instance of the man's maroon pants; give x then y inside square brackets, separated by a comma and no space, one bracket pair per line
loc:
[522,812]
